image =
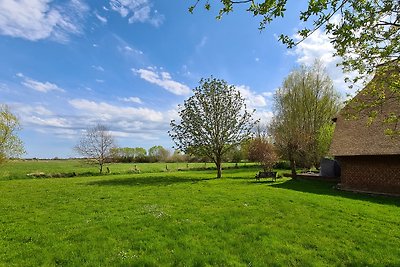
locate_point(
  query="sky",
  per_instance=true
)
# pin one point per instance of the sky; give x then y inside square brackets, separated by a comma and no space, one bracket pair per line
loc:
[69,65]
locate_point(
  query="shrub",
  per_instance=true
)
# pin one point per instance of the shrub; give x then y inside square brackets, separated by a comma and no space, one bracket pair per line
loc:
[282,164]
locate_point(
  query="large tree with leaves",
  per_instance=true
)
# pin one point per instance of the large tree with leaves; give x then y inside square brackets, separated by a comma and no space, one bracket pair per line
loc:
[96,144]
[10,144]
[304,107]
[212,121]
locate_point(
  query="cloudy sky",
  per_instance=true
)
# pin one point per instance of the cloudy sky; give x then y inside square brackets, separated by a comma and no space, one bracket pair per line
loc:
[68,65]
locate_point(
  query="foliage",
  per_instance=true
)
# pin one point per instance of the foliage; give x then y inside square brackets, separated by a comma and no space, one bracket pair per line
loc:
[282,164]
[262,151]
[212,121]
[96,144]
[365,35]
[178,156]
[10,144]
[304,105]
[234,155]
[128,154]
[324,139]
[188,219]
[158,154]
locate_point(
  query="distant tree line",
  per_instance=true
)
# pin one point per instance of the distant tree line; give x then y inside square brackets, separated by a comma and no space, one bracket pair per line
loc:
[160,154]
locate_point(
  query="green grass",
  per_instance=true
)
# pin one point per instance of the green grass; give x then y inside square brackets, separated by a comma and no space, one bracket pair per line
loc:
[192,219]
[19,169]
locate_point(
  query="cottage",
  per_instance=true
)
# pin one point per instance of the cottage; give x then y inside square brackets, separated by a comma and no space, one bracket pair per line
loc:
[369,159]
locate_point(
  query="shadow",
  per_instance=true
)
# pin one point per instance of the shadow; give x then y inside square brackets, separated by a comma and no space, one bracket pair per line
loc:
[269,181]
[329,188]
[147,181]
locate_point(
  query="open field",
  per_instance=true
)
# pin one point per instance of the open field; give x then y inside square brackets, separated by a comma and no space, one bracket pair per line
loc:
[188,218]
[19,169]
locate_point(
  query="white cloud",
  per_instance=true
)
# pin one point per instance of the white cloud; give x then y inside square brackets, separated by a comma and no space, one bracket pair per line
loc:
[264,116]
[163,79]
[39,116]
[318,46]
[26,110]
[253,99]
[110,112]
[139,124]
[269,94]
[128,48]
[202,43]
[40,19]
[43,87]
[258,102]
[48,122]
[137,11]
[101,18]
[99,80]
[60,132]
[4,87]
[132,99]
[120,134]
[99,68]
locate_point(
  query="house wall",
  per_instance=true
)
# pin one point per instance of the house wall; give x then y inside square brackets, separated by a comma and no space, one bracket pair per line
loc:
[380,174]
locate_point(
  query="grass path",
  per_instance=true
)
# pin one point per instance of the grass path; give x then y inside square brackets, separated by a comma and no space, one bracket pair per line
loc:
[191,219]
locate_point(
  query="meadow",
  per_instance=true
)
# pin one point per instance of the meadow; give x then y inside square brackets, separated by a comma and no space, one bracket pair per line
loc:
[162,217]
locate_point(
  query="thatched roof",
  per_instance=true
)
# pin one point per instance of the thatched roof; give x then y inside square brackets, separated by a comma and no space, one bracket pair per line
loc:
[354,135]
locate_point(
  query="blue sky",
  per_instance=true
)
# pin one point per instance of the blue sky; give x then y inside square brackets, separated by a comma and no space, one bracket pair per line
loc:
[68,65]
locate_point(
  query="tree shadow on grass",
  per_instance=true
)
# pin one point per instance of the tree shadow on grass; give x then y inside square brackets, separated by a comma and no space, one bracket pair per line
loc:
[147,181]
[328,188]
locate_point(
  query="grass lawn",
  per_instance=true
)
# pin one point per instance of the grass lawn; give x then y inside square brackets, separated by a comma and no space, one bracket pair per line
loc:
[189,218]
[19,169]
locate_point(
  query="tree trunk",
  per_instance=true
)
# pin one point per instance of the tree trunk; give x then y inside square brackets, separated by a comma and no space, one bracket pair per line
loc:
[219,169]
[101,167]
[292,165]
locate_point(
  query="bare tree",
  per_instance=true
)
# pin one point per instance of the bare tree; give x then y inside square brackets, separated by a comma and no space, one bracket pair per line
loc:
[263,152]
[97,144]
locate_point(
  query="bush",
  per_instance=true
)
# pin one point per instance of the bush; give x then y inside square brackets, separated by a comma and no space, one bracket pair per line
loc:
[282,164]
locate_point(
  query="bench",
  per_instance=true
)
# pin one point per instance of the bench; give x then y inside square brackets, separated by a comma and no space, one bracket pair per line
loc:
[262,174]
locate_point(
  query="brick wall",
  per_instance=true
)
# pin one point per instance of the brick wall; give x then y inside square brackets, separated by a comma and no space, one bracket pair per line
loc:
[379,174]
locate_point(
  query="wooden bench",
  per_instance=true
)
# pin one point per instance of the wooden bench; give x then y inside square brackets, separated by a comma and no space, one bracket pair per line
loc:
[262,174]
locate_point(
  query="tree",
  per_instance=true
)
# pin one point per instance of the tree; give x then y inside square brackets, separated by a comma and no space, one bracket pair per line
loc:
[140,153]
[234,155]
[122,154]
[304,105]
[158,153]
[324,139]
[366,34]
[10,144]
[178,156]
[97,143]
[263,152]
[212,121]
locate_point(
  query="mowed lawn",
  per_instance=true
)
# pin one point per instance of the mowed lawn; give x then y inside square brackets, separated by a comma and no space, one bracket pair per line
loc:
[189,218]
